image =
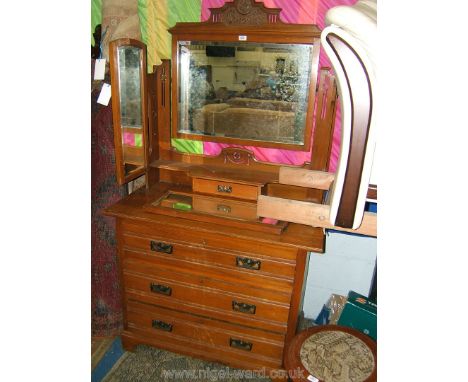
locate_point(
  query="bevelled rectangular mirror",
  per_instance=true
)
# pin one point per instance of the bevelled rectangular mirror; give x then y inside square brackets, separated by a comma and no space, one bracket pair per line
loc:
[244,90]
[256,88]
[129,87]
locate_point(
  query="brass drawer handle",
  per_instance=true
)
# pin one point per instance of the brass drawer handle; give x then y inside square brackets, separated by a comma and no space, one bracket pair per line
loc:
[162,289]
[243,307]
[239,344]
[161,325]
[245,262]
[158,246]
[226,189]
[223,208]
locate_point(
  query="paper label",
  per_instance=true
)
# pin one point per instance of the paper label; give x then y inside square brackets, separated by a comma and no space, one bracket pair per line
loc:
[105,94]
[100,69]
[311,378]
[242,37]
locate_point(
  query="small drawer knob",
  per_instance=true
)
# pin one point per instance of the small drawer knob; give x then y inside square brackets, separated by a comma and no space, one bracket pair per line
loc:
[225,189]
[223,208]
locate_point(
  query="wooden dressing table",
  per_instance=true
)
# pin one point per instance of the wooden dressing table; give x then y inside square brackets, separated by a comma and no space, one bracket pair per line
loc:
[202,275]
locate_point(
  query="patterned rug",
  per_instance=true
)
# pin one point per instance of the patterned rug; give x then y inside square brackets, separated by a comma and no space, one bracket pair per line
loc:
[147,364]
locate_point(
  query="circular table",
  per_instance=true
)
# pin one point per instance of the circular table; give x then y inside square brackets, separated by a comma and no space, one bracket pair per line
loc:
[331,353]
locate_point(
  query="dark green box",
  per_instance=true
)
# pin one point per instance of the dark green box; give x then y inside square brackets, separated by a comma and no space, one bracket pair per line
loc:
[360,313]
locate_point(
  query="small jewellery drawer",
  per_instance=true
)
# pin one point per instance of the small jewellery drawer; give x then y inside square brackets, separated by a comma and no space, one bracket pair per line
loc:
[225,207]
[250,263]
[161,290]
[158,320]
[232,189]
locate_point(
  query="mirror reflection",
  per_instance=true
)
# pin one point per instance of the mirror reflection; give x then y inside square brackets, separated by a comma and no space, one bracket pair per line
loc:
[129,82]
[130,106]
[255,91]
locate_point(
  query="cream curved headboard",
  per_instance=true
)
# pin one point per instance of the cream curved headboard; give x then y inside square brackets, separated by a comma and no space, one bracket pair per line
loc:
[350,41]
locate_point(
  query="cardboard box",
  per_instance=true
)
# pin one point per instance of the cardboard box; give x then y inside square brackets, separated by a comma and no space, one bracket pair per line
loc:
[331,311]
[360,313]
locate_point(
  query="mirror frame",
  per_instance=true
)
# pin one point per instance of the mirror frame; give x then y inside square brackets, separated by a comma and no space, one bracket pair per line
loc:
[276,32]
[122,176]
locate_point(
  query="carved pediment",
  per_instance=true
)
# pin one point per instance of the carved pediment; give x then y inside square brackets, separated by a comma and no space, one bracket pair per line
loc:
[245,12]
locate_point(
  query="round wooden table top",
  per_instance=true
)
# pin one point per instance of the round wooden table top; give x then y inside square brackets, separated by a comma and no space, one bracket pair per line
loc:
[331,353]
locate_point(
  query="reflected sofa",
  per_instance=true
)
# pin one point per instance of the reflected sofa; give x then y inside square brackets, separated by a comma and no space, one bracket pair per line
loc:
[247,118]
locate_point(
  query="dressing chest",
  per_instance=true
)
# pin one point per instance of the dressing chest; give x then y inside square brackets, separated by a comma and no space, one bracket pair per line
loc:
[216,292]
[202,273]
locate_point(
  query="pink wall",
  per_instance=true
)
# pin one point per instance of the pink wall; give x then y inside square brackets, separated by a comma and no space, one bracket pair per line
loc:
[299,12]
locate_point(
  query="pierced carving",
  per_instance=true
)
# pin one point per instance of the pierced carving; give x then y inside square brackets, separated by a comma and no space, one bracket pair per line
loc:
[245,12]
[256,17]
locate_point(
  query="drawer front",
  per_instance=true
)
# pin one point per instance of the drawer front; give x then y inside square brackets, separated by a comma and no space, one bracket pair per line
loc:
[161,290]
[248,321]
[210,240]
[249,263]
[182,345]
[201,275]
[225,207]
[205,331]
[236,190]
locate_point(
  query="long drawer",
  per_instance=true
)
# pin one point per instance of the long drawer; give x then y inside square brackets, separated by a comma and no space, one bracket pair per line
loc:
[208,352]
[210,240]
[156,320]
[256,264]
[247,320]
[161,290]
[270,288]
